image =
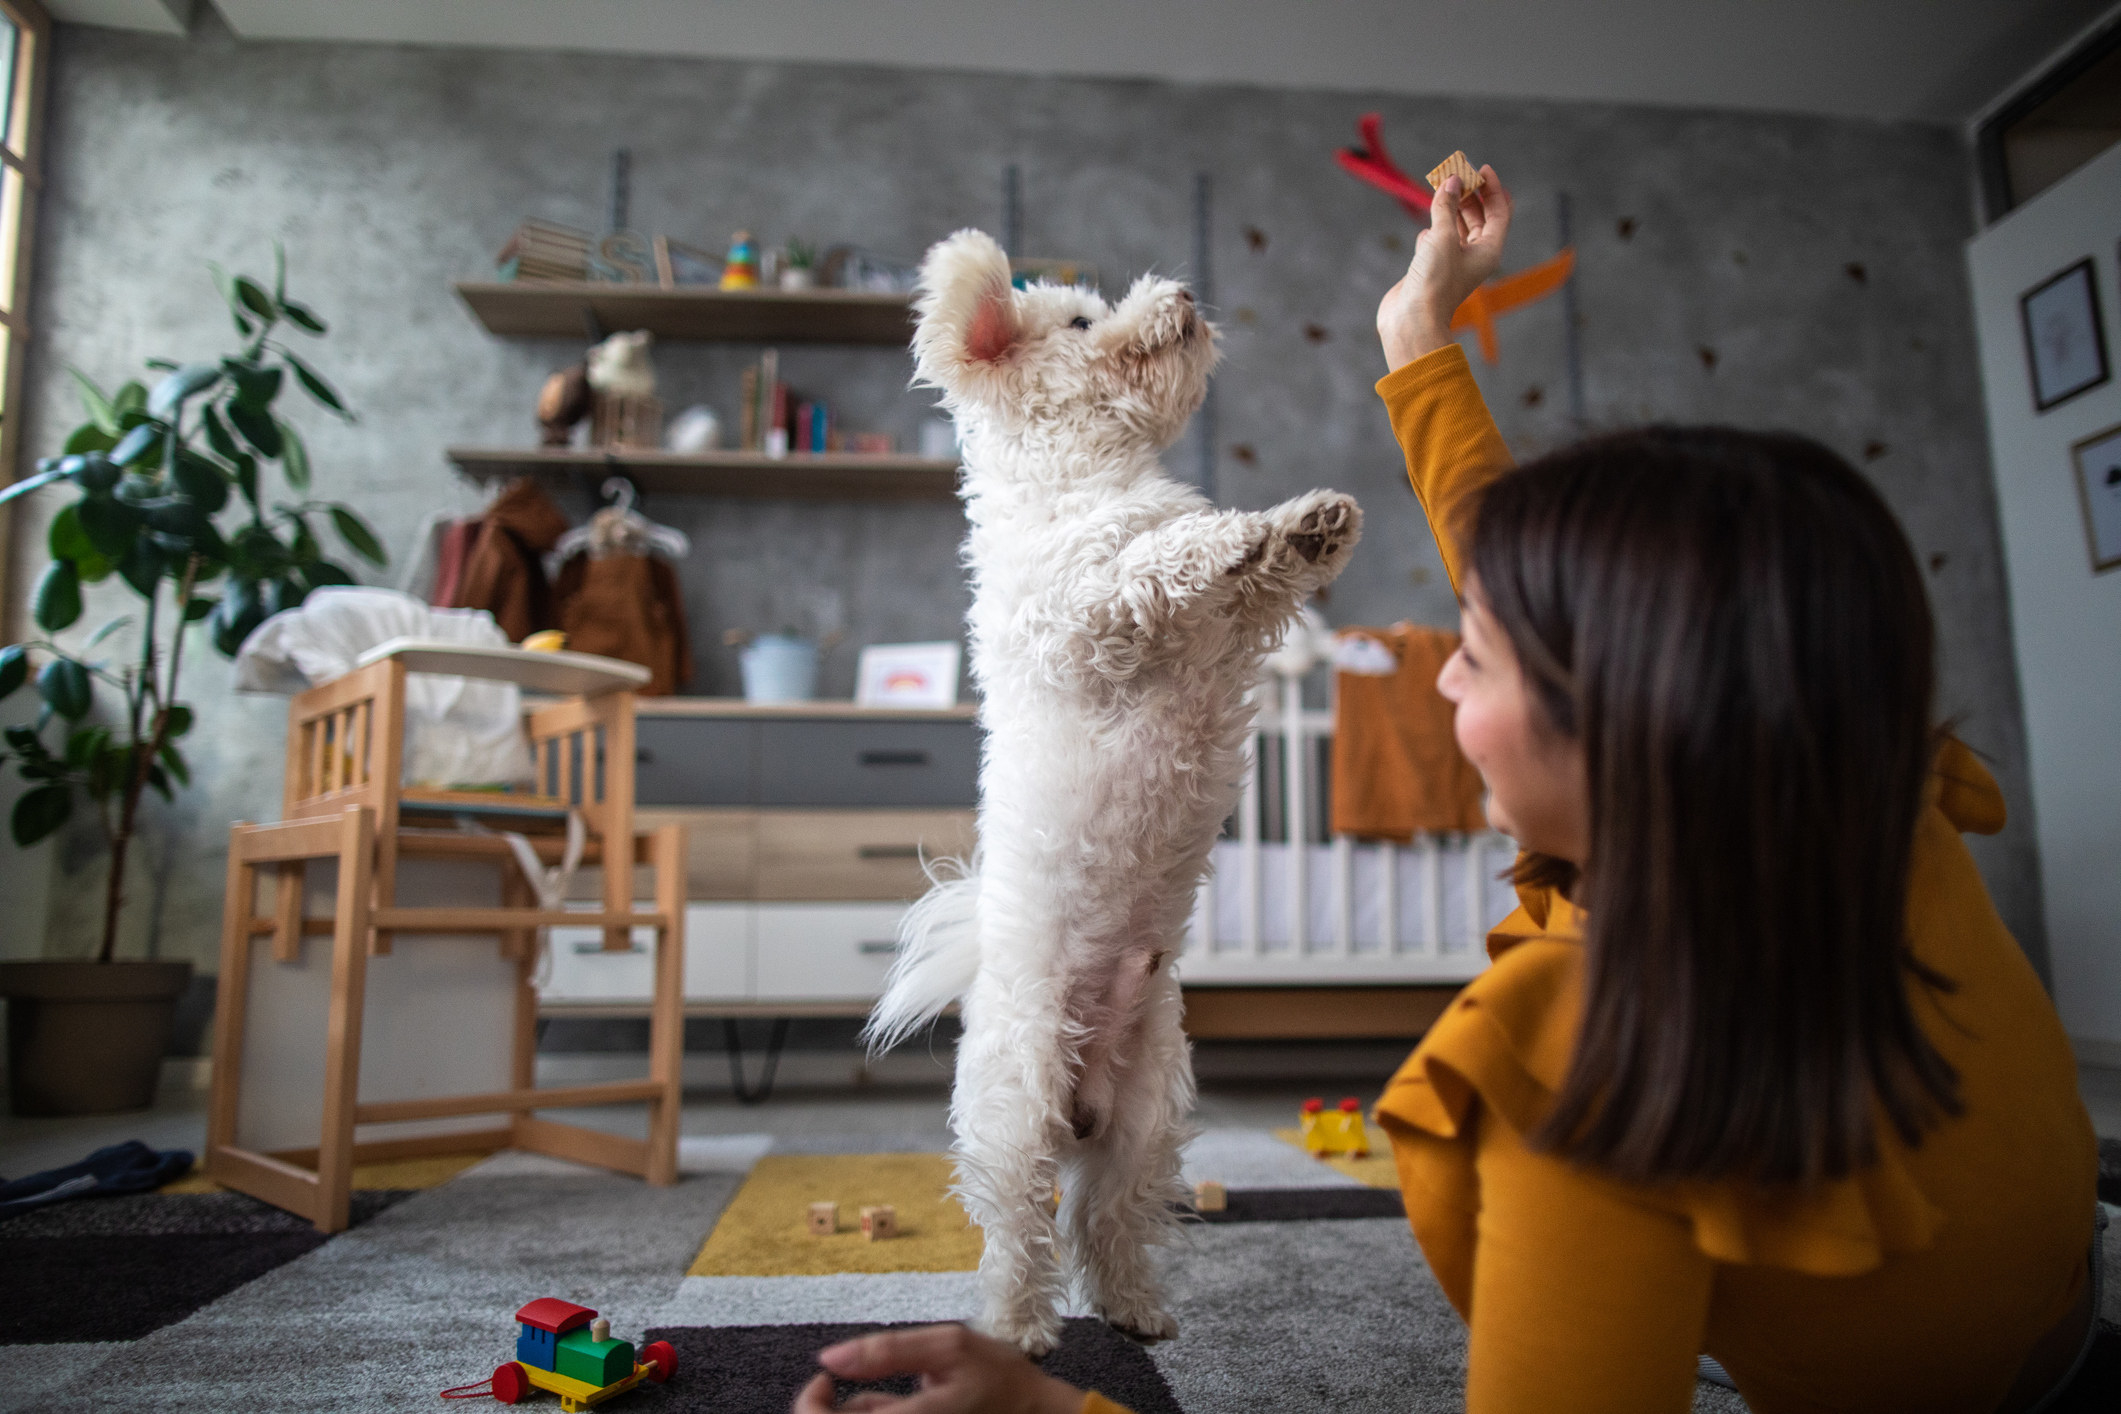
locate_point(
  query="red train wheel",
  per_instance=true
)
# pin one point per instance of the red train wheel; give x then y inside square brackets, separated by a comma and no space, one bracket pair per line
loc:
[663,1357]
[510,1385]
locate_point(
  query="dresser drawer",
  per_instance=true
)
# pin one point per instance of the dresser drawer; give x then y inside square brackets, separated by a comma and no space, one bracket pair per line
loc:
[878,763]
[854,854]
[720,850]
[823,952]
[717,960]
[695,761]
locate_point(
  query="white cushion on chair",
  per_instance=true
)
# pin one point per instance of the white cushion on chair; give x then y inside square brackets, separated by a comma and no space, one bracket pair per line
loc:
[457,730]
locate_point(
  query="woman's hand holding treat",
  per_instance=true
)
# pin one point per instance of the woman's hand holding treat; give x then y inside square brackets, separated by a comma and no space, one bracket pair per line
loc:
[961,1373]
[1461,250]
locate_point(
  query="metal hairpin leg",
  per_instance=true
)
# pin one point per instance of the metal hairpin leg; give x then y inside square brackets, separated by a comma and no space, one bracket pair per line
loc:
[735,1045]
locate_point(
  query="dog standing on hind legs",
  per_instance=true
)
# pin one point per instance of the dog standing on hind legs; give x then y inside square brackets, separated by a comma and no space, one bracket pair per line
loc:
[1118,622]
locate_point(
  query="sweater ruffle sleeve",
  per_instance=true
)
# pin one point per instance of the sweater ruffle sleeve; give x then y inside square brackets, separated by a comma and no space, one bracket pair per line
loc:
[1503,1047]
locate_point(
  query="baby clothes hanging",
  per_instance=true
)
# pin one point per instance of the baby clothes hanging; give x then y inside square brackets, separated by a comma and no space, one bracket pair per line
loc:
[618,594]
[1397,769]
[503,570]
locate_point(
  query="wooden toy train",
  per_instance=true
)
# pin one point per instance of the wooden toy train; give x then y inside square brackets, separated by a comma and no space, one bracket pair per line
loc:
[568,1349]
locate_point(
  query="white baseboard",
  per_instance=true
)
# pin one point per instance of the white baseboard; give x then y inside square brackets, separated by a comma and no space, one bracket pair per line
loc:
[2091,1051]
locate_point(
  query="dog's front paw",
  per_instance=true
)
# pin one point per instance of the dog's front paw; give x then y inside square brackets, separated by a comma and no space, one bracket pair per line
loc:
[1322,531]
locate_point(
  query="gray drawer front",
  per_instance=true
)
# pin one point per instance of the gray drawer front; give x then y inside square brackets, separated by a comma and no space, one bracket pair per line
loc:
[868,763]
[695,761]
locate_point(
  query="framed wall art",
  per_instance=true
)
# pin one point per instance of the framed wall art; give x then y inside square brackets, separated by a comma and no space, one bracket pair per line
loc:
[2098,459]
[2065,343]
[907,675]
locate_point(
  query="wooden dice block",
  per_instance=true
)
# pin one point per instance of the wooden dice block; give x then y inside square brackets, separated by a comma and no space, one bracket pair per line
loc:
[1210,1197]
[880,1222]
[824,1219]
[1457,166]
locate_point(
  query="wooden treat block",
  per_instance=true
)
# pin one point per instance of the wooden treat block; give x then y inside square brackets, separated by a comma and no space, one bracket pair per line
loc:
[824,1219]
[1457,166]
[880,1222]
[1210,1197]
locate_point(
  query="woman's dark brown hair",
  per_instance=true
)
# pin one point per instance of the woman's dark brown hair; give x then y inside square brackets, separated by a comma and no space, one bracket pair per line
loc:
[1734,627]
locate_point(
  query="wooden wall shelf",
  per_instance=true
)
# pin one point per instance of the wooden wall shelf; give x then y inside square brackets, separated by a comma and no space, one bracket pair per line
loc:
[571,310]
[799,475]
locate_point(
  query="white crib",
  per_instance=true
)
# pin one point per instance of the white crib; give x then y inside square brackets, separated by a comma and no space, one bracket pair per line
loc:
[1287,906]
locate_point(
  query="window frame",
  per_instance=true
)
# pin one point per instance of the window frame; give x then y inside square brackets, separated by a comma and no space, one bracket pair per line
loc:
[23,153]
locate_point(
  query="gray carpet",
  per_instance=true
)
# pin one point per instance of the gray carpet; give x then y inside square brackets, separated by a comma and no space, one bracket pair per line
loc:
[1339,1315]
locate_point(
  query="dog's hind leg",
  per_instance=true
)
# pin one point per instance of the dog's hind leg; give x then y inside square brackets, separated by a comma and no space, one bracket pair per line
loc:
[1008,1112]
[1121,1197]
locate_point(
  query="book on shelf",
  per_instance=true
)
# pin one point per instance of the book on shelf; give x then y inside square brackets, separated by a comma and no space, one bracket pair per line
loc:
[813,428]
[544,250]
[763,400]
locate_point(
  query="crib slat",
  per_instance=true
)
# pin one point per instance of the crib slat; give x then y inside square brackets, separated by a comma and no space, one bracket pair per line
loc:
[1432,889]
[1388,897]
[1476,904]
[1343,895]
[1292,768]
[1248,848]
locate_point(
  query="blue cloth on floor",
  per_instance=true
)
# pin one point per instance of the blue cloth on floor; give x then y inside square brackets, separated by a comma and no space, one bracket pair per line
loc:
[131,1167]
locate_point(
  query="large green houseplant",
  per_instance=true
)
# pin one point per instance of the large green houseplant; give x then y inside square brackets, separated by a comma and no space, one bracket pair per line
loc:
[172,504]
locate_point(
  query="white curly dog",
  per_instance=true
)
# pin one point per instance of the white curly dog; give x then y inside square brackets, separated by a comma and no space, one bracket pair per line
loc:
[1118,623]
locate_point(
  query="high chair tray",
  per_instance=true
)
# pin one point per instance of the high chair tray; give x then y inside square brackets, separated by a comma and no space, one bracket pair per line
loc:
[563,674]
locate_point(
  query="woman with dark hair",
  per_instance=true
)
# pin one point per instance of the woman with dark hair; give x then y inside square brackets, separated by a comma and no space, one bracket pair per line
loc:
[1757,1072]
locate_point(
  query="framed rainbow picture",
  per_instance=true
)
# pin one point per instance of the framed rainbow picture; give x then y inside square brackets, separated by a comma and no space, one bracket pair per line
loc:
[907,675]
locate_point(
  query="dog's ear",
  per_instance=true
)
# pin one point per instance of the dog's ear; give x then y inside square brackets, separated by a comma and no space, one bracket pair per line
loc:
[967,309]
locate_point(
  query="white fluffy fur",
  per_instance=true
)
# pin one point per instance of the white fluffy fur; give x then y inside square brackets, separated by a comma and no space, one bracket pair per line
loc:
[1118,621]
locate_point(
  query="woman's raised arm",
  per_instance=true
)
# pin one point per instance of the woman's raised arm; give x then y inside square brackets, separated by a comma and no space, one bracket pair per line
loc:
[1450,441]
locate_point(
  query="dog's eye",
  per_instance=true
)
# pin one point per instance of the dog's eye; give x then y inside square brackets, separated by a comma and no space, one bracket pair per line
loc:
[1078,322]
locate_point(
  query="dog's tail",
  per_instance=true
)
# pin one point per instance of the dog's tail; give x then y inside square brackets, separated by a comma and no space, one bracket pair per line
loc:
[937,959]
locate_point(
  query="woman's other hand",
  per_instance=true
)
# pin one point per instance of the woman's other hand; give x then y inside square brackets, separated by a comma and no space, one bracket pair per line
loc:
[961,1373]
[1460,251]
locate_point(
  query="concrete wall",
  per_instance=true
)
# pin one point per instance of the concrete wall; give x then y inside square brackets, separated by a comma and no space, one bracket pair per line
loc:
[2063,613]
[1765,271]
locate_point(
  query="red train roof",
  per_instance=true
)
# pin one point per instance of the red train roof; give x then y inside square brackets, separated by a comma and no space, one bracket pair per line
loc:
[550,1313]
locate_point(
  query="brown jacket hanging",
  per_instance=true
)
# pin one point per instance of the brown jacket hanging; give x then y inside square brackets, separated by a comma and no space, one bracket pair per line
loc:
[1397,769]
[503,571]
[627,606]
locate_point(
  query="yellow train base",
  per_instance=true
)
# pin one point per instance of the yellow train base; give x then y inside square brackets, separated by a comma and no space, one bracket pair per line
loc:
[513,1382]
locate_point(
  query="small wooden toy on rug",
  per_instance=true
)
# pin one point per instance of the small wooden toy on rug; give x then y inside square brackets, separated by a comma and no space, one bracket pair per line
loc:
[1330,1133]
[568,1349]
[879,1222]
[824,1219]
[1210,1197]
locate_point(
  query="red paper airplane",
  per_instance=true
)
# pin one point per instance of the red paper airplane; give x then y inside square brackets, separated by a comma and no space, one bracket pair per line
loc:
[1371,163]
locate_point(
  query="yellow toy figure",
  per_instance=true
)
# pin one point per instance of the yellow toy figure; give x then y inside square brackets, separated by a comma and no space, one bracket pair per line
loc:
[1335,1133]
[741,272]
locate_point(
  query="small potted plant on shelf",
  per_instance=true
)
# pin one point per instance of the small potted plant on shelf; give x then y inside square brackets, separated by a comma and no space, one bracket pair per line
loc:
[798,265]
[169,504]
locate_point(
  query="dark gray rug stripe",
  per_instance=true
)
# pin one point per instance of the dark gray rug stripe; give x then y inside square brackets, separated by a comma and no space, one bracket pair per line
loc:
[758,1369]
[1286,1205]
[118,1268]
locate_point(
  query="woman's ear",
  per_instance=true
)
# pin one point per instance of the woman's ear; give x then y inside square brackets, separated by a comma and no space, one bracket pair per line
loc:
[967,309]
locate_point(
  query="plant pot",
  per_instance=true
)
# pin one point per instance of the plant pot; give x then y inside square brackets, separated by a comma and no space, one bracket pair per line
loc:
[88,1037]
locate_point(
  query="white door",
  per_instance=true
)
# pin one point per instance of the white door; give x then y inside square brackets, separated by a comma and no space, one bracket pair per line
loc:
[2065,616]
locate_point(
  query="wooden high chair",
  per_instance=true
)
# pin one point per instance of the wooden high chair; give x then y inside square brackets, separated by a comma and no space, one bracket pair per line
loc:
[345,801]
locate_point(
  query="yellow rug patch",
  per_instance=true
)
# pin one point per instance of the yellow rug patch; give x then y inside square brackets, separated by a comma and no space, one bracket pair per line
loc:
[430,1171]
[1377,1171]
[764,1230]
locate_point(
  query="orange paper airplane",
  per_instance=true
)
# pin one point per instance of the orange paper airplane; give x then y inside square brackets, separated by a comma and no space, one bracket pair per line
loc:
[1499,296]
